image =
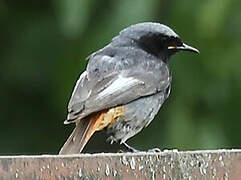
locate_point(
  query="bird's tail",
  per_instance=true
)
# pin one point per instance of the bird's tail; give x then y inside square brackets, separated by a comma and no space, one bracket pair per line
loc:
[84,129]
[79,137]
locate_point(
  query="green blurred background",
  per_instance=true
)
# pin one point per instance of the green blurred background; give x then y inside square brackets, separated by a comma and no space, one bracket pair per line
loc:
[43,46]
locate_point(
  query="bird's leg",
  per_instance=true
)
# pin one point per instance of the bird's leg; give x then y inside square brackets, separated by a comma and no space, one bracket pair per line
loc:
[129,148]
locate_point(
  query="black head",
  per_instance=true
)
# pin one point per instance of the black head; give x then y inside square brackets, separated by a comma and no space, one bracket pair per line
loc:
[155,38]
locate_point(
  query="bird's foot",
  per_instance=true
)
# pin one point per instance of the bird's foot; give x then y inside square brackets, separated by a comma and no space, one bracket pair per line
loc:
[120,151]
[130,149]
[155,150]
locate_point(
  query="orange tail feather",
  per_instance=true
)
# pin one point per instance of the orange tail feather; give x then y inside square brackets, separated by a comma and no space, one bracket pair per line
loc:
[83,131]
[85,128]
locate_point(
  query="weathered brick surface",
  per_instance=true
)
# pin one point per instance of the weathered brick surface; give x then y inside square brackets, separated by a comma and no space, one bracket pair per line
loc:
[217,164]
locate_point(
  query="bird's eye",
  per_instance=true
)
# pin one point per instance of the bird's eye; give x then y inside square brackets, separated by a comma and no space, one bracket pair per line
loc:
[173,43]
[177,41]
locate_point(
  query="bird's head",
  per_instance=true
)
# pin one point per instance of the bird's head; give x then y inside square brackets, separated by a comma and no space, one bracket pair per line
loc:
[157,39]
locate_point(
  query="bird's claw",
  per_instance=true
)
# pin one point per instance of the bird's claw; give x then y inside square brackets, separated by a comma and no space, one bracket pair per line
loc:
[120,151]
[130,149]
[155,150]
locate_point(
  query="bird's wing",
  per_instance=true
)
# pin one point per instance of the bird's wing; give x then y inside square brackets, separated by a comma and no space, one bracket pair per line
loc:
[116,88]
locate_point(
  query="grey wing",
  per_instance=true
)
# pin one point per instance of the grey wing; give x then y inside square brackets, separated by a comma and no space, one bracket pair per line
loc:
[112,90]
[79,95]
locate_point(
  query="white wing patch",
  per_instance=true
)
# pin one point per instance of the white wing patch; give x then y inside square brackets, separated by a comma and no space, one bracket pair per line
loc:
[84,95]
[80,78]
[120,84]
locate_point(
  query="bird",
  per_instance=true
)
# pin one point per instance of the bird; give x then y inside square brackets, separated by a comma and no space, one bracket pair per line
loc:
[123,86]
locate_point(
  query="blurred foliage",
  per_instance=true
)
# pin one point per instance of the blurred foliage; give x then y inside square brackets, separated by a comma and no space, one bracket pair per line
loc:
[43,49]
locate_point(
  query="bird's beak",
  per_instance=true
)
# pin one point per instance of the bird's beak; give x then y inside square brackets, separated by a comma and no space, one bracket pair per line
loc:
[184,47]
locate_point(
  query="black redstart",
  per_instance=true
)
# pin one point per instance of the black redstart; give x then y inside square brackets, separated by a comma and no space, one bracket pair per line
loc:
[124,85]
